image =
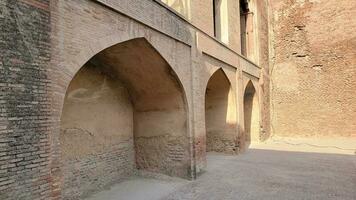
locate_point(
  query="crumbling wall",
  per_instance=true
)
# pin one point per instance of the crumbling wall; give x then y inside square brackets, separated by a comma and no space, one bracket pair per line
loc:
[115,137]
[313,76]
[161,143]
[165,154]
[96,133]
[160,118]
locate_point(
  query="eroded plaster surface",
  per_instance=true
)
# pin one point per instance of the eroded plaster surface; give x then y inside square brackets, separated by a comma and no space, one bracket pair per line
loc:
[220,114]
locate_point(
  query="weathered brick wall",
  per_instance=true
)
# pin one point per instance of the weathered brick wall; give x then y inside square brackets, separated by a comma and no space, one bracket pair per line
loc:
[76,38]
[264,56]
[96,138]
[203,71]
[313,76]
[94,172]
[33,90]
[24,110]
[154,16]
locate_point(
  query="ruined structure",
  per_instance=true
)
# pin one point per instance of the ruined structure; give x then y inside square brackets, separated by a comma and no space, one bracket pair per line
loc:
[94,90]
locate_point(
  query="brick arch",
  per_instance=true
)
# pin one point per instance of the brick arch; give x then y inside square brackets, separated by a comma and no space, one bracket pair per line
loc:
[155,124]
[101,44]
[90,50]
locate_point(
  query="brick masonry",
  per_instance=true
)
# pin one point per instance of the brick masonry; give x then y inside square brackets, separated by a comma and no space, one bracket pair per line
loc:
[313,72]
[25,119]
[44,43]
[94,172]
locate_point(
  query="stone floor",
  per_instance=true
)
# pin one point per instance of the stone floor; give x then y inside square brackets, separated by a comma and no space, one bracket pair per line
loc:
[266,171]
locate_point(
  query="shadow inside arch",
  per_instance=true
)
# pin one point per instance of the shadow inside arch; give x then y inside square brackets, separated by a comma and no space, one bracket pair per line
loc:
[127,109]
[220,114]
[251,116]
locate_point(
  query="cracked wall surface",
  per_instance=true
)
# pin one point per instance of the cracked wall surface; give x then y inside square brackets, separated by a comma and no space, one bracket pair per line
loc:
[313,76]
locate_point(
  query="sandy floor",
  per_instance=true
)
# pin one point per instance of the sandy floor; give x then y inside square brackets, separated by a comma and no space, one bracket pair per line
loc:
[274,170]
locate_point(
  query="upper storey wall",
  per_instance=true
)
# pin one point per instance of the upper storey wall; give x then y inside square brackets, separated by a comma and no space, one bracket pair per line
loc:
[159,16]
[200,14]
[226,29]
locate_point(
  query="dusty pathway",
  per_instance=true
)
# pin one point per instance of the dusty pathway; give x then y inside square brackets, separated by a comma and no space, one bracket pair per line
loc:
[261,173]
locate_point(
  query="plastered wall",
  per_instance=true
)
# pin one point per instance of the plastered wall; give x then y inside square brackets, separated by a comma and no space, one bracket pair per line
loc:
[148,68]
[96,133]
[220,115]
[252,122]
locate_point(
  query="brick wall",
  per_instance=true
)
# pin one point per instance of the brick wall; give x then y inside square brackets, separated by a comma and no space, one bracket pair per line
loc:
[96,137]
[34,83]
[264,56]
[24,111]
[94,172]
[313,76]
[75,33]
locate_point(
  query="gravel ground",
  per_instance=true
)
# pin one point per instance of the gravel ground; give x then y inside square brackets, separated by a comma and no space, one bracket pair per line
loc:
[261,173]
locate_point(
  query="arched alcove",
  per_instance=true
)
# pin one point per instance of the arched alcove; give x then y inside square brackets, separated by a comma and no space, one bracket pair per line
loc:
[124,110]
[220,114]
[251,114]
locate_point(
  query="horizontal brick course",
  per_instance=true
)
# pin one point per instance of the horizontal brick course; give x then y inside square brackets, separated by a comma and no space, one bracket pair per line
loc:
[46,44]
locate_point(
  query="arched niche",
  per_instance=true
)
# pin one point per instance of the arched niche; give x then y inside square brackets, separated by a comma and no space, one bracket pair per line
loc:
[125,109]
[251,114]
[220,114]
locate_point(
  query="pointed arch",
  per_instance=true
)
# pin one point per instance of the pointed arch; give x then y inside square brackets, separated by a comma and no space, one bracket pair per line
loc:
[127,103]
[220,114]
[251,114]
